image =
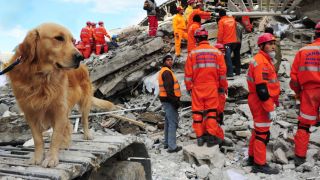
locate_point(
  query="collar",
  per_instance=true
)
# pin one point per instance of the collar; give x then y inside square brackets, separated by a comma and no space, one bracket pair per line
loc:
[166,66]
[266,55]
[203,42]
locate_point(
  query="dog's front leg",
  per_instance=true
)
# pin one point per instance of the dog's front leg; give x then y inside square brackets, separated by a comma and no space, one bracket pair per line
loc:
[38,142]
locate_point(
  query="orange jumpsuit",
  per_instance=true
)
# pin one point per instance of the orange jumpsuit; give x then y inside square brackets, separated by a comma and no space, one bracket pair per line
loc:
[305,81]
[227,30]
[100,33]
[202,14]
[261,71]
[205,73]
[191,40]
[180,32]
[85,36]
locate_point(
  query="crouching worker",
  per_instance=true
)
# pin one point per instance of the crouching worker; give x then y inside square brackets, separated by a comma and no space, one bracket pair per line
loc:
[205,73]
[305,81]
[264,90]
[169,94]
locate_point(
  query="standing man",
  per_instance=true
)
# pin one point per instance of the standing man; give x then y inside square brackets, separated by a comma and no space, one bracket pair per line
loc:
[179,30]
[169,94]
[101,33]
[264,90]
[205,73]
[305,81]
[227,35]
[85,36]
[194,26]
[150,6]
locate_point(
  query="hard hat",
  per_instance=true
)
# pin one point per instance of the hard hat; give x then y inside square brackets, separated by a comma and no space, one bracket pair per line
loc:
[318,27]
[93,23]
[190,1]
[88,23]
[201,32]
[179,8]
[265,37]
[100,22]
[220,46]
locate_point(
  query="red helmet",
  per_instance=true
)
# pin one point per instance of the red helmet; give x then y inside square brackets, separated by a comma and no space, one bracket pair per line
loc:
[318,27]
[93,24]
[201,32]
[220,46]
[88,23]
[190,1]
[265,37]
[179,8]
[100,22]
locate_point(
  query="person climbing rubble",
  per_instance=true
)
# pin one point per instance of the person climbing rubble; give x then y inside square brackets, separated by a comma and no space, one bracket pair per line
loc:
[305,81]
[264,91]
[179,29]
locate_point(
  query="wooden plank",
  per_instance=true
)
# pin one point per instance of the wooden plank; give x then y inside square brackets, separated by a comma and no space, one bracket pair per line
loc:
[36,172]
[293,5]
[10,176]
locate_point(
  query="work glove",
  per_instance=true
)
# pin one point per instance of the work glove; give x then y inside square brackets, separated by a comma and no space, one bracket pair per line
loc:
[273,115]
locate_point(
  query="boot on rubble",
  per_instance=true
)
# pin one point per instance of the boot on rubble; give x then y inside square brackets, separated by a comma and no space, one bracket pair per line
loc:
[299,160]
[213,140]
[200,141]
[266,169]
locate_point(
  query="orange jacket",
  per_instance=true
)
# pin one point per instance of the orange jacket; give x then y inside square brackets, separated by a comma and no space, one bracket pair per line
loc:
[202,14]
[162,90]
[191,40]
[178,23]
[261,70]
[205,67]
[85,34]
[100,33]
[305,71]
[227,30]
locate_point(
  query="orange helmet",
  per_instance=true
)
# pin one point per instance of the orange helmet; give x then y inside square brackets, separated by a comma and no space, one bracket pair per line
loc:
[265,37]
[100,22]
[201,32]
[318,27]
[88,23]
[93,24]
[179,8]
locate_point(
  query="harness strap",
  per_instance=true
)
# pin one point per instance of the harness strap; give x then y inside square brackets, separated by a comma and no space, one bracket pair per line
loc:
[265,141]
[11,66]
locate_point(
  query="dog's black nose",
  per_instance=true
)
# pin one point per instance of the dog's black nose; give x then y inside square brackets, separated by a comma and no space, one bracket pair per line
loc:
[78,57]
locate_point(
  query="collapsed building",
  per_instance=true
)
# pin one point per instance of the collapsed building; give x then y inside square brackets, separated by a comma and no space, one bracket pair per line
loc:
[126,75]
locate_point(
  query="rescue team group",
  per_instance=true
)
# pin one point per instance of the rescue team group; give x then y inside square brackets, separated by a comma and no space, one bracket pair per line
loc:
[206,72]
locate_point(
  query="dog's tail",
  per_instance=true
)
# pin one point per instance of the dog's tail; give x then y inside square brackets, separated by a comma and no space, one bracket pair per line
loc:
[103,104]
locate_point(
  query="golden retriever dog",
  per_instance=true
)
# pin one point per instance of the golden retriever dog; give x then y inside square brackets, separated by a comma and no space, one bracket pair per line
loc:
[47,83]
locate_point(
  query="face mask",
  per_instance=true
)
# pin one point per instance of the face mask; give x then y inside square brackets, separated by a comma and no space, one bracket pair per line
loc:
[272,54]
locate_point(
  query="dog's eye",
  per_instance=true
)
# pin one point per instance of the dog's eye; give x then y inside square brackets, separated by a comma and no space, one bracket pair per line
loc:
[59,38]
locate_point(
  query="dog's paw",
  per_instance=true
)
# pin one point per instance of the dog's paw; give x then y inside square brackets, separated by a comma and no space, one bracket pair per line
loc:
[36,160]
[88,136]
[50,161]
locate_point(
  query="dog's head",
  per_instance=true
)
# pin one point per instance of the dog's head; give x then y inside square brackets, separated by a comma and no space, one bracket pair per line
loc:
[50,46]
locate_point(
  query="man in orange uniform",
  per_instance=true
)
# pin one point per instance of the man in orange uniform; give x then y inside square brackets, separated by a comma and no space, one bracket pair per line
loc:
[194,26]
[205,72]
[93,37]
[305,81]
[198,11]
[179,30]
[189,9]
[100,33]
[264,90]
[85,36]
[227,35]
[169,95]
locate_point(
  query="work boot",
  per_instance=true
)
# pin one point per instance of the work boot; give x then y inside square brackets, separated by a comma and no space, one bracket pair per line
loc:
[299,160]
[213,140]
[266,169]
[177,149]
[200,141]
[249,161]
[165,147]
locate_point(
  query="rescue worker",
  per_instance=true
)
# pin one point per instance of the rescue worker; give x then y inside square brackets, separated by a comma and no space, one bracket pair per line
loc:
[150,6]
[278,56]
[227,35]
[179,29]
[194,26]
[81,47]
[205,72]
[221,93]
[189,9]
[198,11]
[245,20]
[101,33]
[169,94]
[305,81]
[93,36]
[264,90]
[85,36]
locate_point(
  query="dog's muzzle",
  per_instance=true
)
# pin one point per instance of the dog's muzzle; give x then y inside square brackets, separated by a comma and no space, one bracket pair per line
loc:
[77,58]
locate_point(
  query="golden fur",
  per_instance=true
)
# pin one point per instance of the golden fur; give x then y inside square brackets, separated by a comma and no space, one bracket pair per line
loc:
[47,84]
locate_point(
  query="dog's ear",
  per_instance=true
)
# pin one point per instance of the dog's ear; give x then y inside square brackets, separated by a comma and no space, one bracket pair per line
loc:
[27,48]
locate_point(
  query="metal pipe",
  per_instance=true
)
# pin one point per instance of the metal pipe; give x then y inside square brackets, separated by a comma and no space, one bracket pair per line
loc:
[109,112]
